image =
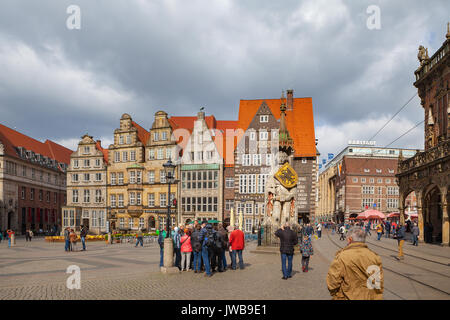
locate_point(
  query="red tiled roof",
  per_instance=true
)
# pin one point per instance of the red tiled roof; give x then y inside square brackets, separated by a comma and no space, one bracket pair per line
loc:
[299,120]
[12,139]
[143,135]
[104,151]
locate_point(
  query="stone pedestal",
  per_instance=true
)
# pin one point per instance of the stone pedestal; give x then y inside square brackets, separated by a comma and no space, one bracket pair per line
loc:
[168,257]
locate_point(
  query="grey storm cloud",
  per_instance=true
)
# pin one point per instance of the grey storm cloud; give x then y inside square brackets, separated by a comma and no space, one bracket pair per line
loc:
[139,56]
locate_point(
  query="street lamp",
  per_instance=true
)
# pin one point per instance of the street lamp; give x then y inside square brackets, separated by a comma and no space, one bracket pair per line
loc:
[169,169]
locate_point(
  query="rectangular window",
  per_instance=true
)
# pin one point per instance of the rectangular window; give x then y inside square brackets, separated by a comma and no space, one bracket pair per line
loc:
[97,162]
[75,163]
[205,204]
[120,139]
[94,219]
[162,200]
[164,135]
[229,204]
[87,163]
[160,154]
[132,177]
[151,199]
[74,195]
[55,197]
[87,197]
[75,177]
[139,177]
[138,198]
[113,200]
[122,223]
[23,192]
[168,153]
[120,177]
[65,218]
[133,156]
[263,135]
[151,176]
[252,183]
[113,178]
[132,198]
[151,154]
[116,156]
[249,208]
[98,195]
[98,177]
[264,118]
[199,204]
[87,177]
[130,223]
[248,225]
[162,176]
[128,139]
[363,180]
[121,204]
[256,159]
[141,223]
[268,159]
[229,183]
[125,156]
[72,218]
[41,195]
[215,204]
[156,136]
[210,204]
[48,196]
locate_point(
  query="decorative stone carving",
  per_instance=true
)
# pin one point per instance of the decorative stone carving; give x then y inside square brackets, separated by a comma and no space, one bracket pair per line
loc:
[422,55]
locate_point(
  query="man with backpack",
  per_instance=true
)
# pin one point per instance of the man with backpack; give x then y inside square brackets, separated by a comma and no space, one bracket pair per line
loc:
[161,237]
[207,240]
[217,252]
[177,247]
[196,248]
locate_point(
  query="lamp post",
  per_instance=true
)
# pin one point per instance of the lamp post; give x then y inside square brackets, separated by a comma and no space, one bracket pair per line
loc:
[169,169]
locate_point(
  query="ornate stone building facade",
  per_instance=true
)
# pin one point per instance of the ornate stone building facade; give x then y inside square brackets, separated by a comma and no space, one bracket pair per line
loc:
[86,187]
[125,174]
[160,147]
[428,173]
[32,182]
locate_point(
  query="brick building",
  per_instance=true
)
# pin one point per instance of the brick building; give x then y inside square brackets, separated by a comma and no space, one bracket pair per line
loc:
[32,182]
[361,177]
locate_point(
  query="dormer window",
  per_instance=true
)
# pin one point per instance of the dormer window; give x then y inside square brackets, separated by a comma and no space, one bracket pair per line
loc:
[263,136]
[264,118]
[86,150]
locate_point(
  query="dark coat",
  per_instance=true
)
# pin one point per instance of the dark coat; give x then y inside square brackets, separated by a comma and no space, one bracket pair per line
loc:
[288,239]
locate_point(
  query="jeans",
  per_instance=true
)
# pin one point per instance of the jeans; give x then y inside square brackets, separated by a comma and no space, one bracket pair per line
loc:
[83,242]
[319,233]
[197,261]
[305,262]
[415,240]
[286,272]
[139,240]
[67,247]
[177,252]
[161,257]
[388,233]
[233,259]
[9,242]
[224,260]
[205,257]
[379,236]
[185,261]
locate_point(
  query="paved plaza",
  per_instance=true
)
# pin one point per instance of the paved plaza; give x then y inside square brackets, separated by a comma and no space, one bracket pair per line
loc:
[37,270]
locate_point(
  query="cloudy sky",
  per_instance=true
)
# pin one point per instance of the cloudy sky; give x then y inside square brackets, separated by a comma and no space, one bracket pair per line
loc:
[138,57]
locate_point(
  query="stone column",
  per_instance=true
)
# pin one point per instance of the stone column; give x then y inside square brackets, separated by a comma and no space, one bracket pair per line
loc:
[168,257]
[420,217]
[445,219]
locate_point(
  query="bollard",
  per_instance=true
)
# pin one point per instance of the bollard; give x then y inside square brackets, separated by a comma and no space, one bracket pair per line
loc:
[13,240]
[168,257]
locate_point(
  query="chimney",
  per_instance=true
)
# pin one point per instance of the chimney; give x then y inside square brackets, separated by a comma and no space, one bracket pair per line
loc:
[290,99]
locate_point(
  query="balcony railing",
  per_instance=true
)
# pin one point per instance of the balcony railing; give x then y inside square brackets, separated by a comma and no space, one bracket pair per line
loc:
[433,61]
[440,151]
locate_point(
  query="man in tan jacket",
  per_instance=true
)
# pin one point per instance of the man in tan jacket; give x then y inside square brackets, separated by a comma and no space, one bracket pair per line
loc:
[356,272]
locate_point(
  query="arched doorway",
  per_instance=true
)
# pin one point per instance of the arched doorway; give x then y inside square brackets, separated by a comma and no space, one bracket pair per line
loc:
[151,223]
[433,216]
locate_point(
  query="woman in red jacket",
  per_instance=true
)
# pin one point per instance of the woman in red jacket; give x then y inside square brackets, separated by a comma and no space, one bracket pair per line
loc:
[186,249]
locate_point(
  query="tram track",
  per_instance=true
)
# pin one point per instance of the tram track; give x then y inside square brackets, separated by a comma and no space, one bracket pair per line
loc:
[402,274]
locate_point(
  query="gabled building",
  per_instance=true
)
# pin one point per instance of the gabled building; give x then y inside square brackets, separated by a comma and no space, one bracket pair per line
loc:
[160,147]
[257,117]
[86,187]
[126,169]
[32,182]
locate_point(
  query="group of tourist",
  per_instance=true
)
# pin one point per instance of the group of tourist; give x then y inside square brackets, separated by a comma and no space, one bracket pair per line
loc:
[202,247]
[71,238]
[7,234]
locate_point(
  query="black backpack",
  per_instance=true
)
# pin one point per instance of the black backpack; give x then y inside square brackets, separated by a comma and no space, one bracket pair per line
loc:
[210,239]
[195,241]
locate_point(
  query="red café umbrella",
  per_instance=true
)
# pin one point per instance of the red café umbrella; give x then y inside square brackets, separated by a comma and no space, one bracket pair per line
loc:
[371,214]
[393,215]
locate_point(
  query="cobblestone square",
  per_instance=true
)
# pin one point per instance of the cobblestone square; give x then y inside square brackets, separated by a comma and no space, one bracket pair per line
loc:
[37,270]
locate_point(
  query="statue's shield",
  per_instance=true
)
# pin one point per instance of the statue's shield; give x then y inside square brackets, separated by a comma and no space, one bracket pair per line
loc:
[287,176]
